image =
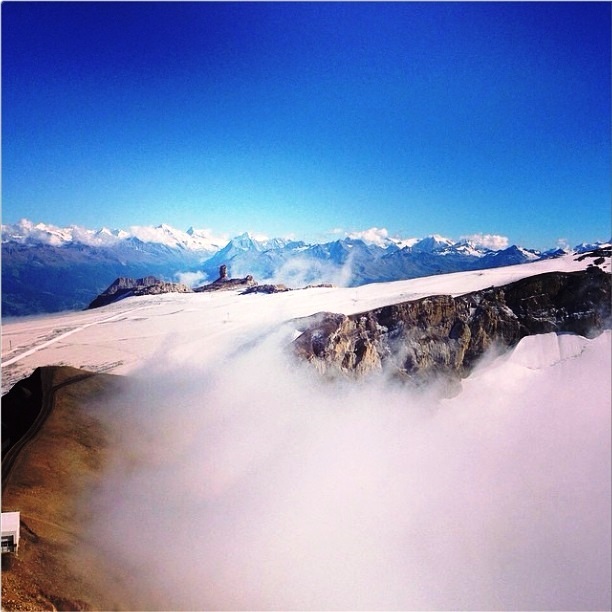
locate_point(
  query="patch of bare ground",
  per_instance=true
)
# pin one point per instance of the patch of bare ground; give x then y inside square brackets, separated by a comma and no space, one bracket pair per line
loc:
[56,469]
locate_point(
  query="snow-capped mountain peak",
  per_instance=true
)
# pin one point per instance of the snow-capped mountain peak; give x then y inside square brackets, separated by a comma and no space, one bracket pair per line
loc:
[590,246]
[528,254]
[403,243]
[25,231]
[206,239]
[91,259]
[432,243]
[374,236]
[467,247]
[247,242]
[194,240]
[244,242]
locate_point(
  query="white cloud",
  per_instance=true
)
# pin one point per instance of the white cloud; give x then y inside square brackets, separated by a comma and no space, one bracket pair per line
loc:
[373,235]
[191,279]
[489,241]
[92,238]
[258,236]
[252,484]
[562,243]
[406,242]
[210,236]
[147,233]
[300,272]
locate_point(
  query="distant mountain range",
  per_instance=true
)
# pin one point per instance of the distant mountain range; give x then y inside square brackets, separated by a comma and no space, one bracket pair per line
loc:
[48,269]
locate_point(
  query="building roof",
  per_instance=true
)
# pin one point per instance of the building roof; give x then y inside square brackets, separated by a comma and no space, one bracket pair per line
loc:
[10,521]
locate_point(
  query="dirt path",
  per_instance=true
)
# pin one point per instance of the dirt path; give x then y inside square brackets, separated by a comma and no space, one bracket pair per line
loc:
[46,405]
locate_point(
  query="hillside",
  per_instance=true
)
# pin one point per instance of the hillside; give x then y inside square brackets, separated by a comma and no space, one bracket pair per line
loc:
[59,467]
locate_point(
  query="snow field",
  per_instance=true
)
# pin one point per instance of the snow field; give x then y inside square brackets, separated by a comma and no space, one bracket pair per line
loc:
[120,337]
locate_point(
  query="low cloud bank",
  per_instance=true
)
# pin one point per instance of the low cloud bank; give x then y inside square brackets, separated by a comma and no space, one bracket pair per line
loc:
[301,271]
[191,279]
[250,484]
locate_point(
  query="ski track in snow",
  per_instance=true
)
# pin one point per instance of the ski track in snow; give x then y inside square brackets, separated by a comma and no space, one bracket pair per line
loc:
[55,339]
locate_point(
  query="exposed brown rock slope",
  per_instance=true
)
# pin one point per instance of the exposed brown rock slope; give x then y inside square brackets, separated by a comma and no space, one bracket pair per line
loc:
[58,466]
[445,335]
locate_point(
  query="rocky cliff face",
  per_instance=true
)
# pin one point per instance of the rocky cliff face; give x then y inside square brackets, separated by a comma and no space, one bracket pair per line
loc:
[227,284]
[224,283]
[442,335]
[128,287]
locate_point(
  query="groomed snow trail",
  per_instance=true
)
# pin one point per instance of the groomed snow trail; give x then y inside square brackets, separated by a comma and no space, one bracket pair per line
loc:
[47,343]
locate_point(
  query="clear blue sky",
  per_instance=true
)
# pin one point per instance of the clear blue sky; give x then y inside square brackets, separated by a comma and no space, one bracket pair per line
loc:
[298,118]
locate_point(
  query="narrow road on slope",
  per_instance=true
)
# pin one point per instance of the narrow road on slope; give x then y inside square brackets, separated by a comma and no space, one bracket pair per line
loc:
[47,403]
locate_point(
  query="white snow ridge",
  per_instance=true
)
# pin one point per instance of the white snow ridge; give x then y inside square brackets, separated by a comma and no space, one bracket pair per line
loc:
[545,350]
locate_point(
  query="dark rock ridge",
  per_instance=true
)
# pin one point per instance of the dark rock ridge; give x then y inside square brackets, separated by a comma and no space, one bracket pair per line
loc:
[597,255]
[127,287]
[266,289]
[20,407]
[445,336]
[124,287]
[223,283]
[280,288]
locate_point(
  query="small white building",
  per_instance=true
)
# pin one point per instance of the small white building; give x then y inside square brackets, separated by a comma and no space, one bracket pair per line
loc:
[10,531]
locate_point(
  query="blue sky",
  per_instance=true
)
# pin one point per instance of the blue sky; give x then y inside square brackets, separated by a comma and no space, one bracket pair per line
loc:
[298,118]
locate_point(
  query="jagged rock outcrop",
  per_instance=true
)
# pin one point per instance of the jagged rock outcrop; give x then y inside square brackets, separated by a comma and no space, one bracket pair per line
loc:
[124,287]
[266,289]
[280,288]
[223,283]
[442,335]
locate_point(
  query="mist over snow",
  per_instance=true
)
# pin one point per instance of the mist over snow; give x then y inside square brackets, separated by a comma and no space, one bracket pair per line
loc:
[300,272]
[241,481]
[191,279]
